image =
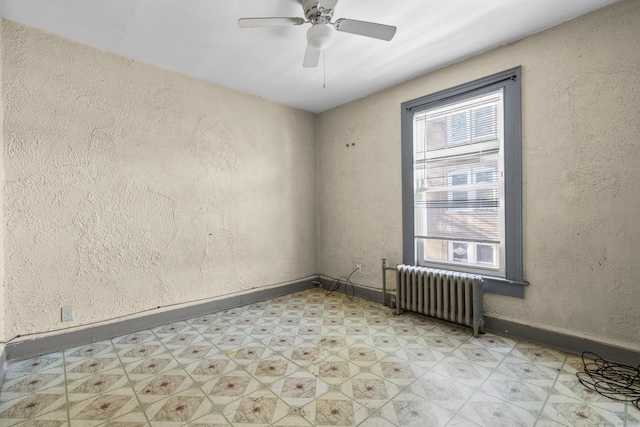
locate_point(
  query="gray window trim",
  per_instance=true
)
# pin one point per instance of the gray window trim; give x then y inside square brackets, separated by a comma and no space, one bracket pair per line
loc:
[513,284]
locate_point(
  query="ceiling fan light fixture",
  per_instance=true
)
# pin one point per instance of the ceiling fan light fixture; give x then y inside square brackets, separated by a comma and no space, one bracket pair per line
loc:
[320,36]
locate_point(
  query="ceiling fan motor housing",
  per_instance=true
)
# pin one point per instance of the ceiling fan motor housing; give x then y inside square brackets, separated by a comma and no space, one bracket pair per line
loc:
[315,13]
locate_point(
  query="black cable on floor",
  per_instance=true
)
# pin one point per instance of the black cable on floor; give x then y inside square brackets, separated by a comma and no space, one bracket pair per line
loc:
[612,380]
[335,285]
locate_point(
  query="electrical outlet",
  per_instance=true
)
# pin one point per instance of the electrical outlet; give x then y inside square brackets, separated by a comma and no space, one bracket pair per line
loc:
[67,314]
[359,268]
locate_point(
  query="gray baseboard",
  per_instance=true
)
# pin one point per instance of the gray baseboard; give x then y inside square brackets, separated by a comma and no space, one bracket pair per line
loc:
[3,365]
[565,342]
[43,345]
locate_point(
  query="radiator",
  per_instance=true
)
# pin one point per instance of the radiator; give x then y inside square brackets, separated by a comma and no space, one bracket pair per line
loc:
[455,297]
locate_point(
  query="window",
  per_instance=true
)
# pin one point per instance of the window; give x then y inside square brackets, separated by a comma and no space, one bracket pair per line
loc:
[462,141]
[461,161]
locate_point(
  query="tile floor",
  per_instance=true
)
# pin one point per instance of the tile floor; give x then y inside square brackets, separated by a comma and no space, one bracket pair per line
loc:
[306,359]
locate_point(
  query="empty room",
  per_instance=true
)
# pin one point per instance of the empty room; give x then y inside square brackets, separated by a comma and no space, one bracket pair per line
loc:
[320,213]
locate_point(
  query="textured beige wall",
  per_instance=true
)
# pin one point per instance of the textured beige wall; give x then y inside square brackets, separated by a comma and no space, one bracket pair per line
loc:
[129,187]
[2,231]
[581,124]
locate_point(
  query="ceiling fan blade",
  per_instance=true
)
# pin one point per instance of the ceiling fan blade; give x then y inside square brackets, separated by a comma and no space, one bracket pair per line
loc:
[368,29]
[311,58]
[268,22]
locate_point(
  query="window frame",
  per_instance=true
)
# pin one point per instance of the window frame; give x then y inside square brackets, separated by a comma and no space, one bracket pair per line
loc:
[510,81]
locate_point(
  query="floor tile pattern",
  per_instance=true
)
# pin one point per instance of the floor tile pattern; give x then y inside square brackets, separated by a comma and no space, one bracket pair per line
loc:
[306,359]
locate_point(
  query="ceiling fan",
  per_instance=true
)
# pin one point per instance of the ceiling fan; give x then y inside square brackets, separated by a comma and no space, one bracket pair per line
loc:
[320,35]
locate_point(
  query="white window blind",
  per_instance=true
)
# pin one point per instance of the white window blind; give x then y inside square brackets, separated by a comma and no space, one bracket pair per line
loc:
[459,184]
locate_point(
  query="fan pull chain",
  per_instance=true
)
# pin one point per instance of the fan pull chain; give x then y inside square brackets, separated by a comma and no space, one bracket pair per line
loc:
[324,69]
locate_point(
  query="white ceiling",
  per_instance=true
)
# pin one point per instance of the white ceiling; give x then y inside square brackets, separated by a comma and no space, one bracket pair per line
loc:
[201,38]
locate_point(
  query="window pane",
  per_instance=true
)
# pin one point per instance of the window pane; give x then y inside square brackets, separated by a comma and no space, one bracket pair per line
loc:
[434,250]
[485,125]
[485,254]
[460,179]
[458,128]
[459,198]
[460,252]
[486,176]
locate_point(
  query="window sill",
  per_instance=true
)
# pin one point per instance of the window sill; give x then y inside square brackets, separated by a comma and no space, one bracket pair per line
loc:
[506,287]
